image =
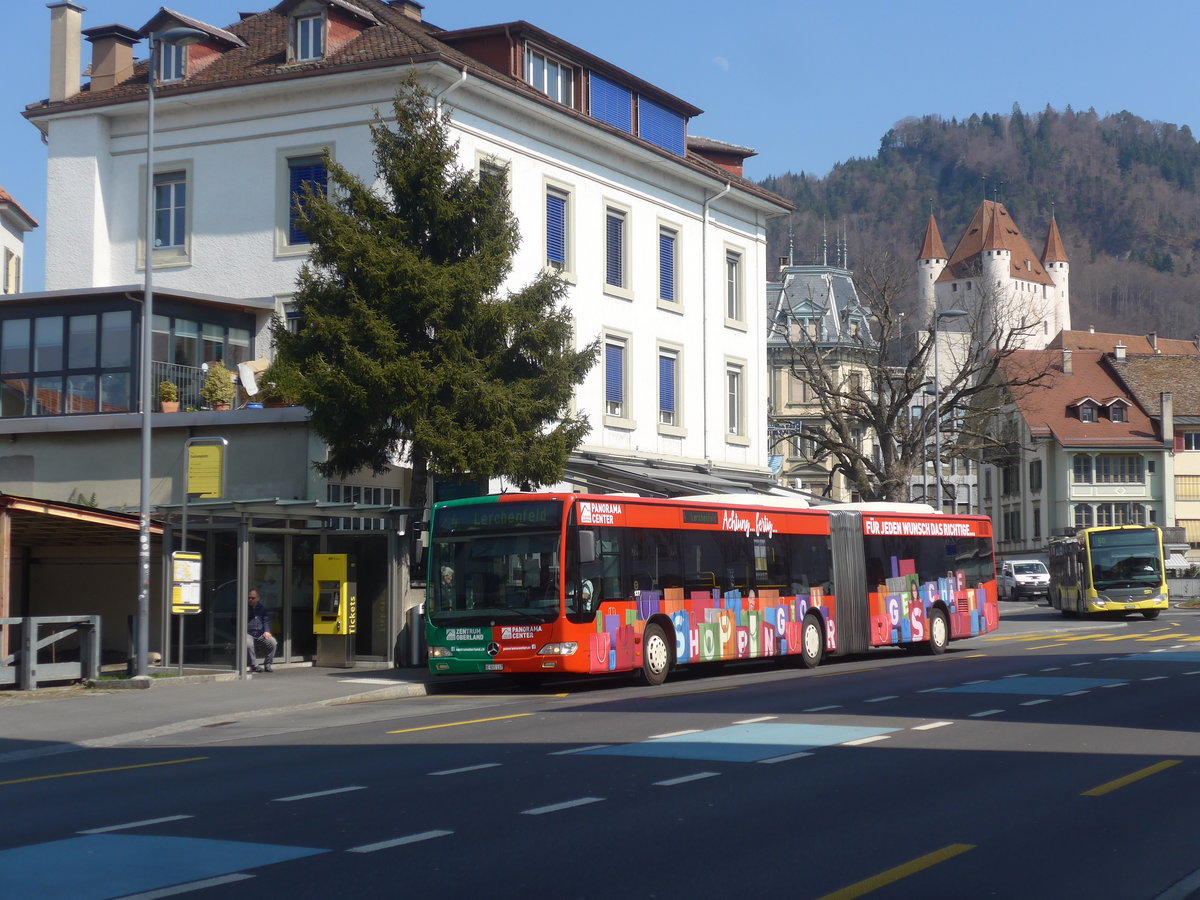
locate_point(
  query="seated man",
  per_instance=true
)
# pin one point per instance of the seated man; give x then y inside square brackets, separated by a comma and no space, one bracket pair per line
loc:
[258,631]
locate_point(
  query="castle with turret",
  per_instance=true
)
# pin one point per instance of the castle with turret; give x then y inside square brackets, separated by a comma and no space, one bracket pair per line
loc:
[994,268]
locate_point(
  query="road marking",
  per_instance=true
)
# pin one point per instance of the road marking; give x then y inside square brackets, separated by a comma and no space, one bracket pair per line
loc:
[984,681]
[1156,678]
[341,790]
[823,708]
[930,690]
[556,807]
[399,842]
[1036,702]
[1050,669]
[779,759]
[1110,786]
[929,726]
[453,724]
[1075,693]
[176,890]
[133,825]
[1193,672]
[1117,637]
[684,779]
[986,712]
[1077,665]
[755,721]
[466,769]
[170,762]
[1045,646]
[1018,675]
[671,734]
[867,740]
[1162,637]
[881,699]
[1115,684]
[579,750]
[891,876]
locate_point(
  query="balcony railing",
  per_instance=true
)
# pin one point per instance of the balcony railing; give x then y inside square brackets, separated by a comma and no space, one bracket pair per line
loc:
[188,379]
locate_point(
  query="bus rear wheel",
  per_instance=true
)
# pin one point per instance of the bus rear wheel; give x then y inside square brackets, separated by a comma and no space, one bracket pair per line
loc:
[939,633]
[812,642]
[656,656]
[1151,613]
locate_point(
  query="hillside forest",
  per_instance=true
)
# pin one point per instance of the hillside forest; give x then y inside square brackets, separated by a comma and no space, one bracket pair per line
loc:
[1123,189]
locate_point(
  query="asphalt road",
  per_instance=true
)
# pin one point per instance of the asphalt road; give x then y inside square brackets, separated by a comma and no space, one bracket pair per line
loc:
[1056,758]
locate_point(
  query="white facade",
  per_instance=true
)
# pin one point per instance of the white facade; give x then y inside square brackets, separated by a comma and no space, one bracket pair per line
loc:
[232,146]
[15,222]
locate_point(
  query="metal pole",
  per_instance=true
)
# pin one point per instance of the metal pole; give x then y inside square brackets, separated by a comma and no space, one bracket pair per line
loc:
[937,414]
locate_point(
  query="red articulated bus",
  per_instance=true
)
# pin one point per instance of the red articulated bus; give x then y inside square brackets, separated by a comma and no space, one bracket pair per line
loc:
[553,583]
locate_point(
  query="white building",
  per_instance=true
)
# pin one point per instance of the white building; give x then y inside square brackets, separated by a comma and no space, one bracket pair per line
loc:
[661,238]
[15,223]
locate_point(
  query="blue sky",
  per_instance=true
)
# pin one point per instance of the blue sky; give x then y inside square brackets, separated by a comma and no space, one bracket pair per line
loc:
[807,84]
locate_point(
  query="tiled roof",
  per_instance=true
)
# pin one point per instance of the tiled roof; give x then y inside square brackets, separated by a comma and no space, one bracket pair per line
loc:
[993,228]
[168,15]
[399,40]
[7,201]
[932,247]
[1148,376]
[1054,251]
[1133,343]
[1046,406]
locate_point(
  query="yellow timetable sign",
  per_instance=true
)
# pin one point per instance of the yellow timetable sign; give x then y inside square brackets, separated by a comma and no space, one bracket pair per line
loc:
[186,569]
[206,470]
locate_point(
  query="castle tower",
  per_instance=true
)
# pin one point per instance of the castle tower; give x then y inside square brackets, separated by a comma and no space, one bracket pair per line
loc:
[930,264]
[1058,267]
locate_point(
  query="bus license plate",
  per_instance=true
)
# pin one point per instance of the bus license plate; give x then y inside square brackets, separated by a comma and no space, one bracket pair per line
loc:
[494,667]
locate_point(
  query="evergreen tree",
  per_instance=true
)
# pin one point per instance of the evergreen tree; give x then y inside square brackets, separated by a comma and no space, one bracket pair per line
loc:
[407,346]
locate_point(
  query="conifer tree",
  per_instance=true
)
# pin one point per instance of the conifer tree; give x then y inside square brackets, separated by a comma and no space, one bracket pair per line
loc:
[408,347]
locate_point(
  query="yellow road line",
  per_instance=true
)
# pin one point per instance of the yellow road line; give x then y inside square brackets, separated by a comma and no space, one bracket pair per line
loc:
[1131,778]
[468,722]
[1164,637]
[1045,646]
[171,762]
[1118,637]
[1012,637]
[891,876]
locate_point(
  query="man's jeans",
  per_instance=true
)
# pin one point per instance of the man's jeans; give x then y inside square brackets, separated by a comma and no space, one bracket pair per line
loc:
[268,643]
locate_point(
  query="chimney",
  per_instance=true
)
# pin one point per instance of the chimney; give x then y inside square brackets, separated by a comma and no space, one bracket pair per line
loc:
[112,55]
[1152,337]
[1068,368]
[65,21]
[1168,418]
[410,8]
[1091,329]
[1119,350]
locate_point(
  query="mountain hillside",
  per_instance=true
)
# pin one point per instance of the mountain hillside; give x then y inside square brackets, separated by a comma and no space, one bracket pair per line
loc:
[1124,192]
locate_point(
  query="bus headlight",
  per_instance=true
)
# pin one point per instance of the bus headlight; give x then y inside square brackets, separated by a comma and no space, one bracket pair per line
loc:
[439,652]
[566,648]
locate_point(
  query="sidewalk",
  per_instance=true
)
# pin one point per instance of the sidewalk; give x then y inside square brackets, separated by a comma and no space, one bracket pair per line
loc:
[57,720]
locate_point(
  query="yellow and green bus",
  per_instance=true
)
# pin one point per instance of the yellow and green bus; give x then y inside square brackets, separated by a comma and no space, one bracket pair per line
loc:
[1109,569]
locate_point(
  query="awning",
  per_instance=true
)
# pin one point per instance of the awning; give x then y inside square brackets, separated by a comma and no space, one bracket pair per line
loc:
[1177,561]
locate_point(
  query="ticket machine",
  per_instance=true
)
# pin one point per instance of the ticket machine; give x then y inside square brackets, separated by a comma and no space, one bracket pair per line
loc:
[334,619]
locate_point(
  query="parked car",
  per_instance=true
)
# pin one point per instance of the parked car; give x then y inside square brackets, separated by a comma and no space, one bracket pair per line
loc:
[1024,579]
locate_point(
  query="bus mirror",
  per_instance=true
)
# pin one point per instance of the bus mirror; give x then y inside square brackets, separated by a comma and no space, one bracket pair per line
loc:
[587,546]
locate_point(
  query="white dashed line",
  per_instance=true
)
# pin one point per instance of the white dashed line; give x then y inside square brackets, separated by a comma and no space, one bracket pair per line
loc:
[823,708]
[684,779]
[1193,672]
[132,825]
[779,759]
[579,750]
[1115,684]
[1075,693]
[1036,702]
[1017,675]
[754,721]
[671,734]
[867,740]
[930,690]
[1050,669]
[341,790]
[881,699]
[176,890]
[1077,665]
[929,726]
[980,681]
[986,712]
[557,807]
[399,842]
[1156,678]
[466,769]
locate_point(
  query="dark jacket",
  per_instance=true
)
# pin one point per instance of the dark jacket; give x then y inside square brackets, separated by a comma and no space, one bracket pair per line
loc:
[258,620]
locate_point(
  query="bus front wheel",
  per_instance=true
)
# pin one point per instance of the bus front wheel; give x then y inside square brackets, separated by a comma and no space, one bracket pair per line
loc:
[656,656]
[939,633]
[812,642]
[1151,613]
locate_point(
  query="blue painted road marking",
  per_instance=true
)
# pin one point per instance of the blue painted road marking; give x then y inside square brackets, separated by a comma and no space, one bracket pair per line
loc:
[1033,685]
[101,866]
[1178,657]
[743,743]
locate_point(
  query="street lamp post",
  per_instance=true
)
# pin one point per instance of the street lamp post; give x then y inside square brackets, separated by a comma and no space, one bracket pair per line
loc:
[182,37]
[937,400]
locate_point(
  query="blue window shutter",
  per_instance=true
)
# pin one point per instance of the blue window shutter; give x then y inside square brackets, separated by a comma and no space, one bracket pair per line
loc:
[314,174]
[666,267]
[614,250]
[614,373]
[661,127]
[556,229]
[611,103]
[666,384]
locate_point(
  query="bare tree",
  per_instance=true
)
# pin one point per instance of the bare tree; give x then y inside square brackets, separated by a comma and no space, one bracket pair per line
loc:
[872,390]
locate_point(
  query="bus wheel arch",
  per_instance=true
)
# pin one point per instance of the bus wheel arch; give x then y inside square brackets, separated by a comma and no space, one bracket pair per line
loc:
[812,640]
[658,653]
[939,631]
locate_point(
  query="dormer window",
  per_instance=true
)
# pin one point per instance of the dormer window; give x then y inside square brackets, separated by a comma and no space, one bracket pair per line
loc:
[551,76]
[1087,413]
[309,40]
[1117,413]
[171,62]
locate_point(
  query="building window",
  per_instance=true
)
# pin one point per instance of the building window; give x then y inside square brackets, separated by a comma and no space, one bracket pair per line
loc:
[610,102]
[1012,526]
[614,378]
[1010,480]
[1087,413]
[558,244]
[1119,468]
[303,172]
[734,400]
[310,38]
[1081,469]
[171,58]
[1037,523]
[1035,475]
[1190,440]
[667,249]
[614,247]
[494,172]
[11,274]
[550,76]
[1187,487]
[1083,515]
[170,210]
[668,387]
[734,306]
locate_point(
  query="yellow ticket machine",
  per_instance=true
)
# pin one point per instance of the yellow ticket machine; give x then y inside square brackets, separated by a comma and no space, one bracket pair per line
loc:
[334,620]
